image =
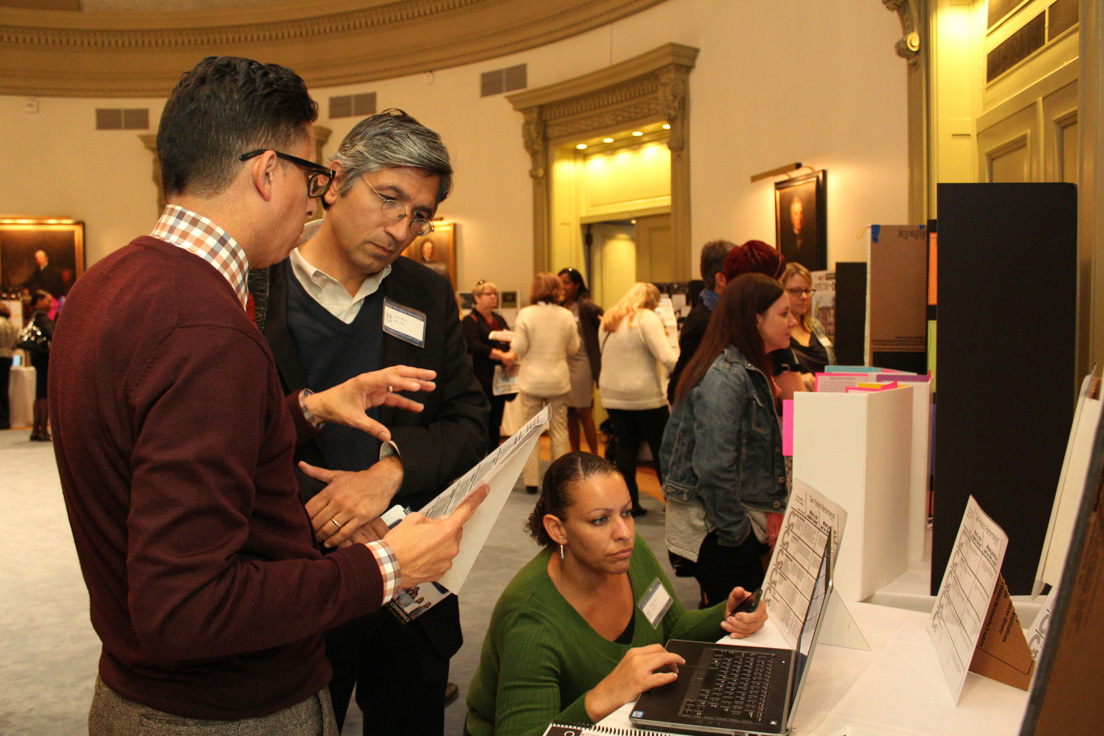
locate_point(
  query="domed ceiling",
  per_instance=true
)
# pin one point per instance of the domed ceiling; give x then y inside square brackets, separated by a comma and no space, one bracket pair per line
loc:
[138,48]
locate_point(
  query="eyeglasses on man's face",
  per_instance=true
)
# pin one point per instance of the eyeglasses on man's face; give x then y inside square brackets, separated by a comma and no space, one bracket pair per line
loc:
[393,209]
[319,178]
[797,293]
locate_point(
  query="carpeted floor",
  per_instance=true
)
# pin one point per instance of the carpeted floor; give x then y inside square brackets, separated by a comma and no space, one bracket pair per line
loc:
[50,651]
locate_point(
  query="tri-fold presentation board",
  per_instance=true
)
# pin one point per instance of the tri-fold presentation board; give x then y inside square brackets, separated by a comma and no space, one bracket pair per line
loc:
[896,297]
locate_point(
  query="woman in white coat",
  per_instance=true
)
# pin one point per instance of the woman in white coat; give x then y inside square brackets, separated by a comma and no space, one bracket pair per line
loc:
[636,358]
[544,336]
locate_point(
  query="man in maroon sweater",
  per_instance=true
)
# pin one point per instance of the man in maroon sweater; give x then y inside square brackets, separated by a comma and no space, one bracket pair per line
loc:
[174,442]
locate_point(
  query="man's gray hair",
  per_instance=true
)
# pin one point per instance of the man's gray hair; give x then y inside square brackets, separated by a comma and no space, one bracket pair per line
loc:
[391,139]
[712,260]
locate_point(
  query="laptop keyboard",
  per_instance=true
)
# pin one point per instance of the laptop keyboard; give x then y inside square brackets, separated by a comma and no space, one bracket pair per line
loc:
[730,684]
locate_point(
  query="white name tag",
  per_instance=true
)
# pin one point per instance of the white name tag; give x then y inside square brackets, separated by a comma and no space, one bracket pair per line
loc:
[654,603]
[404,323]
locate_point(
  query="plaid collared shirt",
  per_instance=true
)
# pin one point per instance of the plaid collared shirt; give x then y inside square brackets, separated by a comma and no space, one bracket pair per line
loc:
[389,569]
[198,235]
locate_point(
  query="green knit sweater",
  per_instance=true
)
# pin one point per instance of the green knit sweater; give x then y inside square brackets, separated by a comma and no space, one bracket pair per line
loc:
[540,657]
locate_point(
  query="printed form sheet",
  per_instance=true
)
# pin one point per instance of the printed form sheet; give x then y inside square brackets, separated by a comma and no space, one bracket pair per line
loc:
[499,470]
[796,560]
[963,600]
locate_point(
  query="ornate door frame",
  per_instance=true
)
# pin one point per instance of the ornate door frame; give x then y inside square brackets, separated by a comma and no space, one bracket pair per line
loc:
[653,87]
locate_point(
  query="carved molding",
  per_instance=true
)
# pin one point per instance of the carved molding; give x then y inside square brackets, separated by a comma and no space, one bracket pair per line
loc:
[649,88]
[329,42]
[908,46]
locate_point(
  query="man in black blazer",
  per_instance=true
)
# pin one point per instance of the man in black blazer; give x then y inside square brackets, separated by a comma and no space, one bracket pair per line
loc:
[344,303]
[693,327]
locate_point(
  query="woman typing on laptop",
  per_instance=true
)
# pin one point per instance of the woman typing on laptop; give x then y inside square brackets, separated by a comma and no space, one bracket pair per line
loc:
[579,631]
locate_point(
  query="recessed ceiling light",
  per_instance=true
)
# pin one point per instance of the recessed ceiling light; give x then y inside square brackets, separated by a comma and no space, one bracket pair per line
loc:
[666,126]
[637,133]
[581,146]
[607,140]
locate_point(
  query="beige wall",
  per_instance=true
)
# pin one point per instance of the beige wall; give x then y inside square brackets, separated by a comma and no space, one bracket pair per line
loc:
[776,82]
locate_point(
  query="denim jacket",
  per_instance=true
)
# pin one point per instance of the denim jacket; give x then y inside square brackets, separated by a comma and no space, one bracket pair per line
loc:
[722,447]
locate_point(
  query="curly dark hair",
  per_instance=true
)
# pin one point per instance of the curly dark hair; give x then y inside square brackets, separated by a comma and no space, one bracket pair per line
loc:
[555,498]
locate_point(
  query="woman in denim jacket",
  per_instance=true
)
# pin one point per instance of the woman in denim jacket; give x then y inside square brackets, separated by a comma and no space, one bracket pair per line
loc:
[722,448]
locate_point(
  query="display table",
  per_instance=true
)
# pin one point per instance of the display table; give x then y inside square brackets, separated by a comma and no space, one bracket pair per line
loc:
[21,392]
[895,688]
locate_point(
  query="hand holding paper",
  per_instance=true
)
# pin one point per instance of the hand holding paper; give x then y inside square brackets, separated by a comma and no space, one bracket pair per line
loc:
[426,547]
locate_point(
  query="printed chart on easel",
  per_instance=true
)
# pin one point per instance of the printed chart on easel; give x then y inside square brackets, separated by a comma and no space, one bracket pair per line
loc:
[966,593]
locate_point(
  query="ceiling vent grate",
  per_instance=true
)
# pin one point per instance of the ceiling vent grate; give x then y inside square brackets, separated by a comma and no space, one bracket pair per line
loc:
[503,80]
[346,106]
[120,119]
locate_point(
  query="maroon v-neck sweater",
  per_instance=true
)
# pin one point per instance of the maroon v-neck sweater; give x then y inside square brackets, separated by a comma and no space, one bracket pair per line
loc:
[174,443]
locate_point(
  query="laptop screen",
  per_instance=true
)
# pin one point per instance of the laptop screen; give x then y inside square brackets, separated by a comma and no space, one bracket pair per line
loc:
[817,605]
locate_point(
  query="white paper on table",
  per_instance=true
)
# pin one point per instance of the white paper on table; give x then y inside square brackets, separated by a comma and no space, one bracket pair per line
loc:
[794,566]
[959,614]
[499,470]
[827,383]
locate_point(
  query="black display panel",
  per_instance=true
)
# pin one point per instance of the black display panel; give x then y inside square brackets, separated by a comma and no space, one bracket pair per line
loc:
[1005,353]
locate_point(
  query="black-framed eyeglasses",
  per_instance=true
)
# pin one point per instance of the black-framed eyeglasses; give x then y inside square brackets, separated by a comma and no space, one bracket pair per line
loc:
[319,178]
[393,209]
[798,292]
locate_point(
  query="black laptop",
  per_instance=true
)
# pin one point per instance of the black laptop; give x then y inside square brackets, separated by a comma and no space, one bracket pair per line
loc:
[738,690]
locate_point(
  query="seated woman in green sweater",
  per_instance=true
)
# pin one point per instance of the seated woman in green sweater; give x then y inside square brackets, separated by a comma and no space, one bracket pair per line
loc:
[568,639]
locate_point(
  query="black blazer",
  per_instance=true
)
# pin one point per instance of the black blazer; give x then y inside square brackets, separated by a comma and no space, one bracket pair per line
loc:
[437,445]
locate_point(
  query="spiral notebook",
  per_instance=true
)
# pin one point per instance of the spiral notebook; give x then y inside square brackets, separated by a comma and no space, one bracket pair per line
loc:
[563,729]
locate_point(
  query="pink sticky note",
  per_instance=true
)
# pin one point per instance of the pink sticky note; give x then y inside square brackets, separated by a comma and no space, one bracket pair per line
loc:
[787,427]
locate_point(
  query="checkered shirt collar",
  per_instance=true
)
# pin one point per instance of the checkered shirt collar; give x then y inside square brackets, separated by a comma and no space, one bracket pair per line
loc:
[198,235]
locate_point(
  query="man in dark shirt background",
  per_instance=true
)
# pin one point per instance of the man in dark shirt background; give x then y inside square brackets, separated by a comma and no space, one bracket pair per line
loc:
[46,277]
[693,327]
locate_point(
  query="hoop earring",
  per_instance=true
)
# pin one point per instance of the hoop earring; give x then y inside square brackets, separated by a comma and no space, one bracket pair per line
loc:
[561,553]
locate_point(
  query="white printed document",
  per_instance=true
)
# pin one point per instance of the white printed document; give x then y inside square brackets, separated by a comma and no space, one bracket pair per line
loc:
[965,593]
[499,470]
[788,587]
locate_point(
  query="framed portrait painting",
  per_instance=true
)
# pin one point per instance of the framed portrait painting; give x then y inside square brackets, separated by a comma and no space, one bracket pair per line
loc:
[800,219]
[436,250]
[40,253]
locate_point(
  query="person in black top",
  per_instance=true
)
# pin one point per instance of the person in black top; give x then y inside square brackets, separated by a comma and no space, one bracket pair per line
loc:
[586,364]
[486,353]
[809,340]
[40,359]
